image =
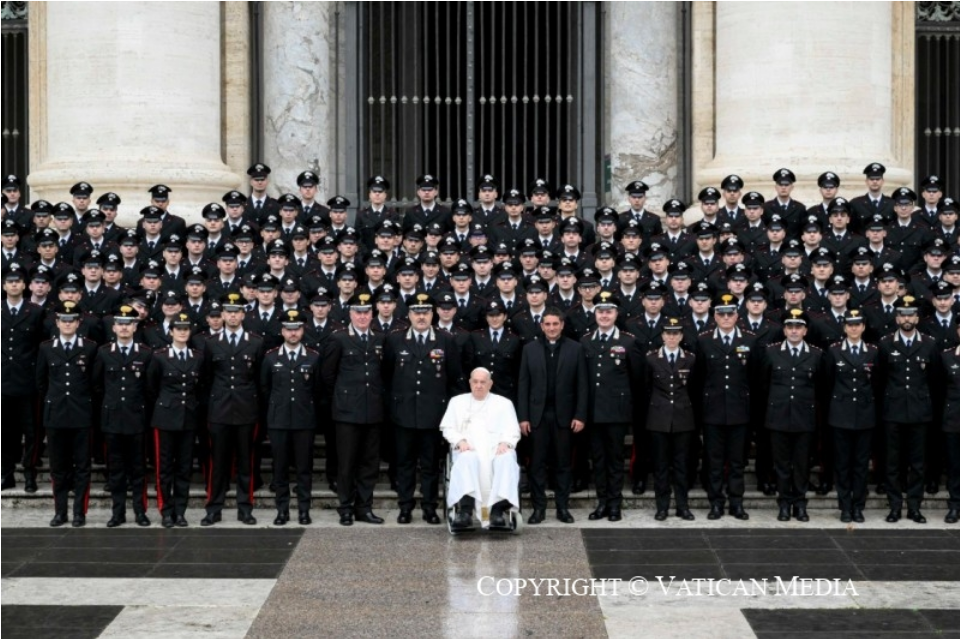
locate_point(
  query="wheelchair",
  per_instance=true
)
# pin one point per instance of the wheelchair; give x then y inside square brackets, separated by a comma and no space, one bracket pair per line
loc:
[513,516]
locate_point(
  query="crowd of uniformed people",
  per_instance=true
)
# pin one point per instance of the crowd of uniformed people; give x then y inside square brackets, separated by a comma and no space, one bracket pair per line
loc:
[824,339]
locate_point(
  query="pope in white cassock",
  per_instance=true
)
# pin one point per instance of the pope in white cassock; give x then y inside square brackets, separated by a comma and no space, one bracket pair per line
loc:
[483,432]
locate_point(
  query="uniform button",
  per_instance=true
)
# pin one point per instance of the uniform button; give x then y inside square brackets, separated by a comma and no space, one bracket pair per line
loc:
[418,392]
[122,398]
[791,397]
[67,393]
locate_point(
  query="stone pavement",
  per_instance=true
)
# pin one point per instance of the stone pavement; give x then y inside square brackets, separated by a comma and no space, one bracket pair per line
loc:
[634,578]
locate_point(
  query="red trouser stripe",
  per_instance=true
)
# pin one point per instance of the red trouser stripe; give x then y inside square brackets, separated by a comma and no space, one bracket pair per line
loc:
[156,447]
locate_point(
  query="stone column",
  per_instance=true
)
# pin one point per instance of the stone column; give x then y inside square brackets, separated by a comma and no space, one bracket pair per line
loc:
[792,84]
[134,102]
[641,100]
[299,93]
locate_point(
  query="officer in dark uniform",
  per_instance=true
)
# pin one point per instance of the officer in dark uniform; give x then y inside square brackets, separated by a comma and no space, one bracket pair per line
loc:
[174,379]
[792,213]
[289,383]
[497,349]
[120,375]
[370,217]
[65,387]
[259,205]
[726,367]
[950,360]
[427,210]
[487,211]
[231,365]
[21,323]
[791,372]
[905,232]
[668,411]
[614,369]
[907,362]
[851,382]
[650,225]
[422,371]
[352,370]
[864,207]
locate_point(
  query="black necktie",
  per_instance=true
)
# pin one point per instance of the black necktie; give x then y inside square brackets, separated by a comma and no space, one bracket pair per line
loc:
[876,204]
[945,323]
[796,353]
[256,205]
[67,347]
[183,356]
[516,227]
[463,304]
[301,262]
[726,340]
[603,338]
[908,343]
[13,311]
[700,325]
[363,339]
[496,337]
[123,353]
[756,326]
[420,339]
[151,244]
[265,317]
[233,340]
[385,327]
[428,287]
[887,309]
[855,351]
[863,288]
[196,309]
[536,319]
[682,301]
[291,356]
[673,360]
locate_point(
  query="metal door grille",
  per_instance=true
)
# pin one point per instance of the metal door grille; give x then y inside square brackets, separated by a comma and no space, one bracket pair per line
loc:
[15,95]
[938,92]
[460,89]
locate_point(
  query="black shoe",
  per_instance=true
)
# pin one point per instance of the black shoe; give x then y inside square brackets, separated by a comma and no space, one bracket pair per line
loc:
[579,485]
[916,516]
[346,519]
[8,483]
[933,488]
[661,515]
[824,488]
[181,521]
[716,512]
[79,521]
[430,516]
[405,516]
[894,516]
[369,518]
[784,513]
[498,517]
[246,518]
[858,516]
[58,520]
[30,484]
[685,514]
[800,513]
[211,519]
[599,512]
[463,520]
[142,519]
[537,516]
[167,521]
[738,512]
[304,518]
[845,516]
[639,487]
[283,516]
[564,516]
[615,515]
[332,486]
[272,487]
[117,520]
[952,516]
[769,489]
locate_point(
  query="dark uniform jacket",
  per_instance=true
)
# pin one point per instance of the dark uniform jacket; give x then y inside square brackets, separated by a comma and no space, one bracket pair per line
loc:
[22,335]
[723,376]
[289,388]
[123,384]
[421,379]
[65,383]
[950,360]
[571,401]
[501,359]
[862,210]
[352,371]
[792,387]
[232,376]
[906,375]
[177,387]
[614,370]
[666,392]
[851,383]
